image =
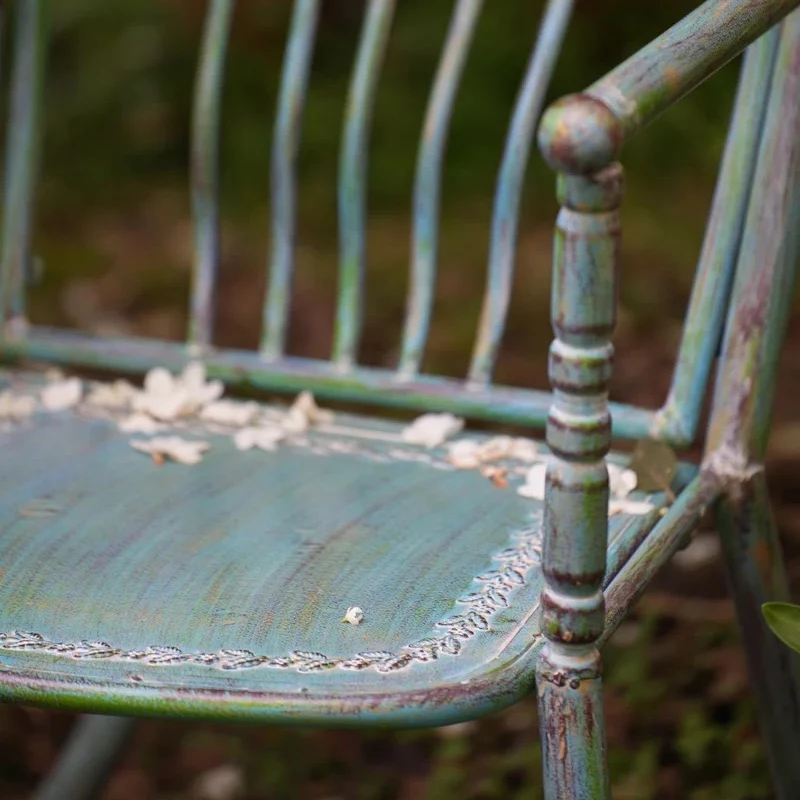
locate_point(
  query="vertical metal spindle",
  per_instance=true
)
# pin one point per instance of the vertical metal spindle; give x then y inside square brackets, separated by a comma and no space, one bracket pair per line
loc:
[705,316]
[427,184]
[576,500]
[205,170]
[509,189]
[763,289]
[294,83]
[23,138]
[353,180]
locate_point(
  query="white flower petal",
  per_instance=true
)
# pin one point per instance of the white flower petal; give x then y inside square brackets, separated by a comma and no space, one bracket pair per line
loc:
[16,406]
[265,438]
[193,376]
[115,395]
[304,413]
[159,381]
[174,448]
[167,406]
[524,450]
[463,454]
[295,421]
[533,487]
[140,423]
[621,482]
[354,615]
[431,430]
[230,412]
[61,395]
[208,393]
[495,448]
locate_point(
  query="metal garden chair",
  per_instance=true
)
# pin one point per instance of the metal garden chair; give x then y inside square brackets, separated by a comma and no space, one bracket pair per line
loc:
[218,591]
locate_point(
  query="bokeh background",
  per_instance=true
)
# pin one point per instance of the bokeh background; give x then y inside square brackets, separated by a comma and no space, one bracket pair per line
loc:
[114,237]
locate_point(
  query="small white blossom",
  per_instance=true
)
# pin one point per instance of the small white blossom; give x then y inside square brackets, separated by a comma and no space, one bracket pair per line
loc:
[533,487]
[464,454]
[524,450]
[167,397]
[431,430]
[621,482]
[61,395]
[116,395]
[140,423]
[200,392]
[173,448]
[304,413]
[470,454]
[230,412]
[265,438]
[16,406]
[354,615]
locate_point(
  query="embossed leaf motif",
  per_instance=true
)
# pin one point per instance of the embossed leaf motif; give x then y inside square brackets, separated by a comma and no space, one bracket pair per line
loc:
[655,465]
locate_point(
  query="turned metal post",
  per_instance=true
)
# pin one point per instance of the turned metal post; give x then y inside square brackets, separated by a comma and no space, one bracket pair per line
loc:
[579,137]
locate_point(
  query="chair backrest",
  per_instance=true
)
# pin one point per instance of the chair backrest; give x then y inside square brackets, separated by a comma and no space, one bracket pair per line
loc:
[342,377]
[271,368]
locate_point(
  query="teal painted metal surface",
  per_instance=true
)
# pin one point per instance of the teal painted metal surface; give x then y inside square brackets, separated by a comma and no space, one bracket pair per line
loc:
[766,271]
[245,368]
[236,573]
[205,170]
[353,181]
[509,189]
[23,133]
[739,427]
[427,184]
[702,331]
[583,311]
[286,140]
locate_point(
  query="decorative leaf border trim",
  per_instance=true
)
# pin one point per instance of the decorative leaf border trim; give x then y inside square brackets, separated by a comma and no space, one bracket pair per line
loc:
[514,566]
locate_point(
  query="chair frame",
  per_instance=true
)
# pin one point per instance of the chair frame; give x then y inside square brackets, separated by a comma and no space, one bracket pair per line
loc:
[740,302]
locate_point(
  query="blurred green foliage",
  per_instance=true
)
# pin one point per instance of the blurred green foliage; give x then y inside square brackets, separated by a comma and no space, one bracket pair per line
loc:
[121,71]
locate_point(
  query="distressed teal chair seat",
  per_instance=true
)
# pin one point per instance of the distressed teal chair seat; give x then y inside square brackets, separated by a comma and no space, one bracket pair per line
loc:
[218,590]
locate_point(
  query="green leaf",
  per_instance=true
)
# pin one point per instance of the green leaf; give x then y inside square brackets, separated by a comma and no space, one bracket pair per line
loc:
[784,621]
[655,465]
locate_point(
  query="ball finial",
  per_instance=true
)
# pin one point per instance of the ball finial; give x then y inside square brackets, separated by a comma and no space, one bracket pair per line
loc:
[579,135]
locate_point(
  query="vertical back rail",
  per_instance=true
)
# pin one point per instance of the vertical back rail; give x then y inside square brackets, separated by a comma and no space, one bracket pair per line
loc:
[353,180]
[427,184]
[765,274]
[509,189]
[23,136]
[294,84]
[205,171]
[706,314]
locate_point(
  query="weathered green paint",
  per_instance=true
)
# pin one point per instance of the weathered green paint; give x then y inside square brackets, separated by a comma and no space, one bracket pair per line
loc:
[260,554]
[583,310]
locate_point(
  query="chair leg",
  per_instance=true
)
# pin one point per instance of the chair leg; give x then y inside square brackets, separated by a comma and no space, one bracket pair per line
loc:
[572,725]
[87,759]
[756,574]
